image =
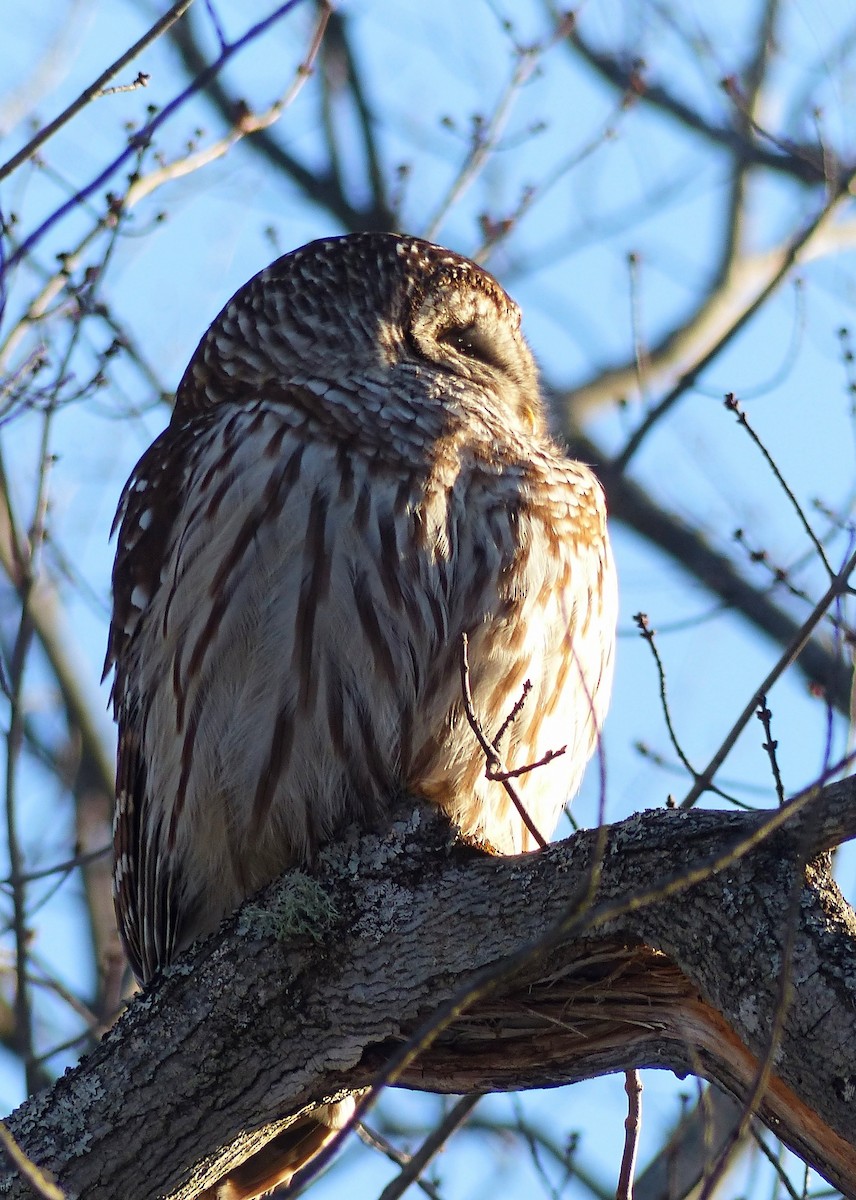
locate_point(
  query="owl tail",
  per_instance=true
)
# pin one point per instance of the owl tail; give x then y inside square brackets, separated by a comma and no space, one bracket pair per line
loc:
[282,1157]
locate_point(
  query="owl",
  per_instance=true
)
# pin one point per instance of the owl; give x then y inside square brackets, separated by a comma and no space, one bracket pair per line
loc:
[356,497]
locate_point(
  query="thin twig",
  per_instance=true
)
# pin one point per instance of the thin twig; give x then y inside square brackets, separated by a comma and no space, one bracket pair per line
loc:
[40,1181]
[514,714]
[141,81]
[789,257]
[432,1145]
[779,576]
[486,134]
[376,1141]
[644,626]
[82,1043]
[44,979]
[95,89]
[732,405]
[632,505]
[215,21]
[535,1145]
[640,353]
[496,230]
[836,588]
[319,188]
[659,760]
[142,185]
[500,774]
[145,135]
[765,717]
[800,163]
[70,864]
[564,1154]
[632,1129]
[27,565]
[781,1173]
[814,157]
[494,769]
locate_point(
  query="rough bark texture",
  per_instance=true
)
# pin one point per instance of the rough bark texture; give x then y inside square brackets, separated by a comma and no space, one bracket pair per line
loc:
[665,941]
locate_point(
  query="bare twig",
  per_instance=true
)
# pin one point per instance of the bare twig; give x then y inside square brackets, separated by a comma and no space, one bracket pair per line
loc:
[836,588]
[97,88]
[245,124]
[640,353]
[370,1137]
[514,714]
[732,404]
[214,18]
[70,864]
[28,550]
[632,1129]
[497,230]
[319,187]
[773,1160]
[789,256]
[803,162]
[631,504]
[789,148]
[538,1139]
[644,627]
[144,136]
[39,1180]
[779,576]
[765,717]
[495,769]
[486,134]
[432,1145]
[141,81]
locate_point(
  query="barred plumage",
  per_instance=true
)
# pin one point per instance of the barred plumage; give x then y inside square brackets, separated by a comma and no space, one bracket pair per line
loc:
[356,474]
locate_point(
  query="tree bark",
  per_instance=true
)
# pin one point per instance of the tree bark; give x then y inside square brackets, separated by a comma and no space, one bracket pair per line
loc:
[708,942]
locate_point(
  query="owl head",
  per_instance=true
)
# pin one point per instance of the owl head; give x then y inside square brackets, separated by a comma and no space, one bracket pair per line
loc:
[357,319]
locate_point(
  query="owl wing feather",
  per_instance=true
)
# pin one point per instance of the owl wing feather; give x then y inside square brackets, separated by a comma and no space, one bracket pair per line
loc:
[144,883]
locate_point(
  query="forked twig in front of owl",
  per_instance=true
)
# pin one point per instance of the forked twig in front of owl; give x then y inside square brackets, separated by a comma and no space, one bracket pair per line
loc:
[495,768]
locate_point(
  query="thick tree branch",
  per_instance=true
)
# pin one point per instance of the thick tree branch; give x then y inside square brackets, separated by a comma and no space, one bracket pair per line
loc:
[247,1028]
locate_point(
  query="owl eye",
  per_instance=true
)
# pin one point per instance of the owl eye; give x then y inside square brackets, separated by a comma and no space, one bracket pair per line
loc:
[473,341]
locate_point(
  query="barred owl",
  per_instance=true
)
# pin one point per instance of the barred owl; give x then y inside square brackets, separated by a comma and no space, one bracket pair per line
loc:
[356,474]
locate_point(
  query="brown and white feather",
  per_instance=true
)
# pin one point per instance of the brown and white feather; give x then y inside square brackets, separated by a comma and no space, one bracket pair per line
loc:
[357,473]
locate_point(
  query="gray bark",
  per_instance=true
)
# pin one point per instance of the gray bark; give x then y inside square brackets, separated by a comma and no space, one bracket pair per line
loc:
[692,941]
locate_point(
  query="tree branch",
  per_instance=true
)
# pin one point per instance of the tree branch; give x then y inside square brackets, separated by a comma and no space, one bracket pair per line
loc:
[802,162]
[95,89]
[247,1028]
[319,186]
